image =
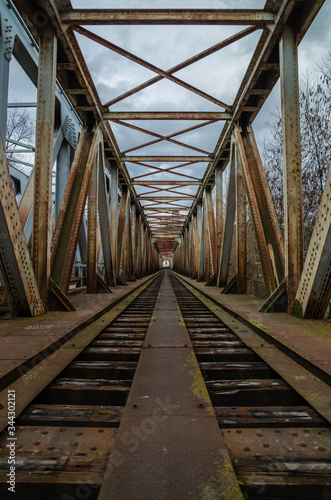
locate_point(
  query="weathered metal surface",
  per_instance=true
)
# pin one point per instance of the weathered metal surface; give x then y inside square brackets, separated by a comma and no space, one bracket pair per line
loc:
[240,229]
[268,235]
[282,462]
[121,227]
[92,225]
[314,290]
[38,368]
[21,288]
[164,425]
[310,386]
[223,267]
[67,229]
[91,415]
[167,16]
[268,416]
[167,115]
[104,219]
[293,217]
[42,195]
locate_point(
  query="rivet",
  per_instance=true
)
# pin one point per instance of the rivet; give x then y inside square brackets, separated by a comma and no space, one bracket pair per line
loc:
[260,434]
[134,406]
[37,443]
[45,432]
[201,405]
[100,430]
[80,433]
[93,448]
[321,448]
[303,445]
[277,431]
[50,448]
[238,431]
[266,445]
[295,434]
[247,449]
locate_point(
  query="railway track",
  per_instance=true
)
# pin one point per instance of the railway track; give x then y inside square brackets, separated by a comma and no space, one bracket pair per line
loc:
[280,446]
[64,437]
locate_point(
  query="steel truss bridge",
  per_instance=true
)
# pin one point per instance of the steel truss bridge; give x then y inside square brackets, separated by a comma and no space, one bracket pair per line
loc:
[119,378]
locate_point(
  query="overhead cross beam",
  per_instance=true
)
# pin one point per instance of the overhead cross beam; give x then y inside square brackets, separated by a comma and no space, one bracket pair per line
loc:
[166,16]
[167,115]
[145,64]
[164,137]
[184,64]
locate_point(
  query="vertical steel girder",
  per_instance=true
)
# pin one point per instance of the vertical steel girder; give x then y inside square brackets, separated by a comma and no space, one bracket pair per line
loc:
[201,250]
[195,246]
[240,229]
[62,173]
[138,245]
[121,227]
[92,224]
[104,221]
[17,276]
[314,291]
[211,228]
[219,212]
[4,72]
[229,223]
[206,238]
[69,221]
[42,206]
[134,239]
[268,235]
[114,215]
[293,218]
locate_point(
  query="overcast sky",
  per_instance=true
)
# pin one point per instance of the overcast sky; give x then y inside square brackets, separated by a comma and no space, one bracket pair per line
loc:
[165,46]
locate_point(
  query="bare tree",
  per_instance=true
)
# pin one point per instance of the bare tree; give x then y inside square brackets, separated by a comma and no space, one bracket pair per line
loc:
[21,129]
[315,124]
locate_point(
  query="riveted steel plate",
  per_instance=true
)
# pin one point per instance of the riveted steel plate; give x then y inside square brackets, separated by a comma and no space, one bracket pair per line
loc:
[170,457]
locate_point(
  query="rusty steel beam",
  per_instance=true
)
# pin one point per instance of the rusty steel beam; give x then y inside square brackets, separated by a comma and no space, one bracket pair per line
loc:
[224,260]
[268,234]
[241,222]
[185,64]
[211,227]
[258,17]
[30,11]
[167,115]
[161,138]
[121,226]
[68,224]
[114,216]
[104,221]
[145,64]
[192,159]
[207,249]
[293,217]
[219,212]
[314,291]
[302,15]
[42,204]
[16,272]
[166,183]
[92,224]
